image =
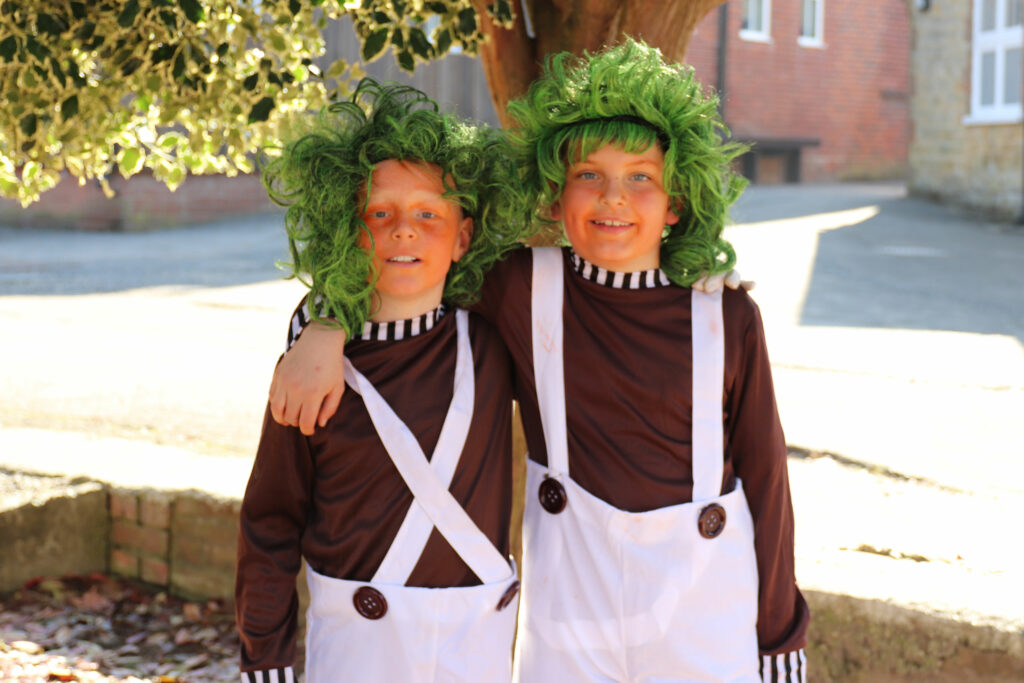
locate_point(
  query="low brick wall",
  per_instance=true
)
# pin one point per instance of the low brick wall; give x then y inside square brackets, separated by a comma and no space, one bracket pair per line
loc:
[184,541]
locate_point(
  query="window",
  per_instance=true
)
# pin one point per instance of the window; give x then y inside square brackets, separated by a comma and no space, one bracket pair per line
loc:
[996,61]
[757,20]
[812,23]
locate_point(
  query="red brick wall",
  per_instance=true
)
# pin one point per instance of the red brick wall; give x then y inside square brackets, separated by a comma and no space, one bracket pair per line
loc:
[852,94]
[141,203]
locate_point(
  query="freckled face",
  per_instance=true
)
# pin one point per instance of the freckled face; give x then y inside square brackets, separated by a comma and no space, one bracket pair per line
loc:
[614,208]
[417,234]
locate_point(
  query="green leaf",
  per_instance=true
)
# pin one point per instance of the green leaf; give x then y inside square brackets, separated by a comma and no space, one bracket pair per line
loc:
[128,14]
[223,48]
[261,110]
[467,21]
[169,141]
[47,23]
[131,66]
[337,68]
[179,65]
[444,41]
[170,19]
[69,107]
[28,124]
[398,38]
[162,53]
[250,82]
[294,6]
[193,10]
[85,31]
[76,77]
[406,61]
[8,46]
[38,50]
[78,10]
[58,72]
[130,162]
[419,43]
[374,44]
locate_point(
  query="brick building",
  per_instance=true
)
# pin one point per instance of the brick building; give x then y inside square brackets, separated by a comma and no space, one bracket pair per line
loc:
[967,145]
[820,86]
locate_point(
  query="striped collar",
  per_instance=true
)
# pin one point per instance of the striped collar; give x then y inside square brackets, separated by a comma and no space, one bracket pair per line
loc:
[396,330]
[641,279]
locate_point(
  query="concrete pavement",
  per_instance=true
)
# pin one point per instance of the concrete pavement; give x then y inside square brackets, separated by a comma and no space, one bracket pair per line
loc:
[895,328]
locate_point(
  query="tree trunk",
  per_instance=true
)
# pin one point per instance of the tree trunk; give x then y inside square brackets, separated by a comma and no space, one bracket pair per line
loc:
[512,59]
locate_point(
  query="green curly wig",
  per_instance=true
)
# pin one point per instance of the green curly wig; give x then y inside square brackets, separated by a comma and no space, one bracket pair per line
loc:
[630,96]
[320,176]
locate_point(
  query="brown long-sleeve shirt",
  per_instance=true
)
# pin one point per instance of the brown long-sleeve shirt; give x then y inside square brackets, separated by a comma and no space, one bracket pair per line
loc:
[628,384]
[337,499]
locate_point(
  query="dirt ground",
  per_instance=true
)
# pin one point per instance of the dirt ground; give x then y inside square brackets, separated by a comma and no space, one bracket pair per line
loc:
[97,628]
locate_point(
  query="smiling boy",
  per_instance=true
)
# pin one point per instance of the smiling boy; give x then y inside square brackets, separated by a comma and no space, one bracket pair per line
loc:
[659,527]
[401,511]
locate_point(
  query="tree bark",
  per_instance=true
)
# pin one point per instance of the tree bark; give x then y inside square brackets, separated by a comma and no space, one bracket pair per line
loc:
[512,59]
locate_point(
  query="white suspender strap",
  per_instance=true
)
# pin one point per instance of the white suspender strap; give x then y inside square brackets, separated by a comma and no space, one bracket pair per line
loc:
[708,388]
[429,480]
[546,297]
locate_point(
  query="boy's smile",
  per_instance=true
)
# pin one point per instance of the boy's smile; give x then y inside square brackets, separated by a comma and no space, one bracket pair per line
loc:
[417,234]
[615,208]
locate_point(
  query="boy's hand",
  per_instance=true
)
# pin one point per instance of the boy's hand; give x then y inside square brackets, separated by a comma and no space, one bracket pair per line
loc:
[712,283]
[310,379]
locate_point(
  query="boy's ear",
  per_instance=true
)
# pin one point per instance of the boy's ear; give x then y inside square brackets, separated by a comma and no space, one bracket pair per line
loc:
[556,211]
[672,213]
[463,239]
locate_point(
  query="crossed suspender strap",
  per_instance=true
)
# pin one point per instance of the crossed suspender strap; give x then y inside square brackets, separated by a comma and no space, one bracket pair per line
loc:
[433,504]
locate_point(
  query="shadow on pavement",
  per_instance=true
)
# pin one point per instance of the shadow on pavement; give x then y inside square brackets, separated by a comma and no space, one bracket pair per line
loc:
[918,265]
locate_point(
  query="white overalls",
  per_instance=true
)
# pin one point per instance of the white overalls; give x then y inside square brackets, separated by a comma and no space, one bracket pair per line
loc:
[386,631]
[609,595]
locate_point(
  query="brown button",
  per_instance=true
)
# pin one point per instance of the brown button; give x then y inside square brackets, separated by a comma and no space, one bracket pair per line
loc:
[370,602]
[552,496]
[711,521]
[508,596]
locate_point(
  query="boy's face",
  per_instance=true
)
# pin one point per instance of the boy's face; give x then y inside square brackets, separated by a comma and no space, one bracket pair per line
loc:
[614,208]
[417,234]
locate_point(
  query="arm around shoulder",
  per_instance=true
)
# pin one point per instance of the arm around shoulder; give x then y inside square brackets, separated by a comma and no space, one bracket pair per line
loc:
[310,379]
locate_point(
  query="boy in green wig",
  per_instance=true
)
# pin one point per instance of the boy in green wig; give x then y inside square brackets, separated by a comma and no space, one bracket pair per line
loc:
[658,527]
[394,212]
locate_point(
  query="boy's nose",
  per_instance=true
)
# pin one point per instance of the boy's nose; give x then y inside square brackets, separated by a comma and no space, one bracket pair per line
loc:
[613,192]
[403,229]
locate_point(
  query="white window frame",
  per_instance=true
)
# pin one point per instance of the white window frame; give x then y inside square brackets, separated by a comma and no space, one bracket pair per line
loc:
[764,34]
[999,41]
[818,38]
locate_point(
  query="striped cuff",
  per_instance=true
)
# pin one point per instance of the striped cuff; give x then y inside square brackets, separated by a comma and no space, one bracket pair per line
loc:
[788,667]
[279,675]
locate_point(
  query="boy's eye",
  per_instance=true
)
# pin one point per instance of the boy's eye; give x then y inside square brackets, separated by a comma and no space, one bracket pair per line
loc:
[586,175]
[379,214]
[428,214]
[640,177]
